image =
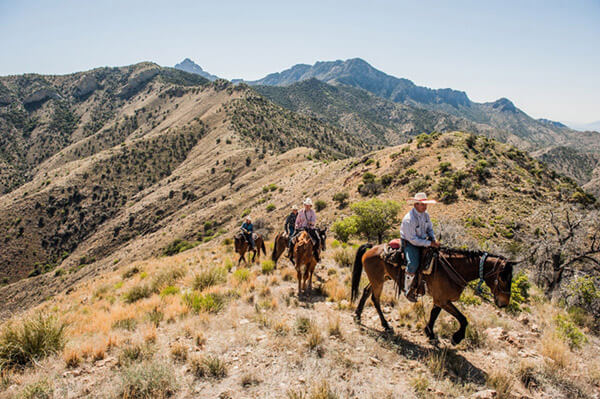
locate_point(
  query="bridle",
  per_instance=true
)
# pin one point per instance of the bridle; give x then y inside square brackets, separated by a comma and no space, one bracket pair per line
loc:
[495,272]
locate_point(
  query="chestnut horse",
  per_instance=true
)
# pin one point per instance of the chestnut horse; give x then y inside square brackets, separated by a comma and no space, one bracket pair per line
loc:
[452,270]
[304,256]
[242,246]
[280,243]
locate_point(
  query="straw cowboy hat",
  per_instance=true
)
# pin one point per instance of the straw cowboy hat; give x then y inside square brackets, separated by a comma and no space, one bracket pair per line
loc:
[422,199]
[307,201]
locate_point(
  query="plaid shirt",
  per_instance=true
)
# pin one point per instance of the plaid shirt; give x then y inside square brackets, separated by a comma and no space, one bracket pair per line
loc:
[306,219]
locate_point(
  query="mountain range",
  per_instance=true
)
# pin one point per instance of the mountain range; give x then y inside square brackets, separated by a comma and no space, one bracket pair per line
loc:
[501,117]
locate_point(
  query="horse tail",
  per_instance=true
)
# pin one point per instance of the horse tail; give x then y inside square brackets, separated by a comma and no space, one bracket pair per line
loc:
[262,246]
[357,270]
[274,253]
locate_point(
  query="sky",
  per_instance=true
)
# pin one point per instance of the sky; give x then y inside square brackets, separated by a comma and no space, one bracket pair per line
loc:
[542,55]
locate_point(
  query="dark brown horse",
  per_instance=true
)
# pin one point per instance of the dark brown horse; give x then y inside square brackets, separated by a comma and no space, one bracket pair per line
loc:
[304,256]
[280,243]
[242,246]
[451,272]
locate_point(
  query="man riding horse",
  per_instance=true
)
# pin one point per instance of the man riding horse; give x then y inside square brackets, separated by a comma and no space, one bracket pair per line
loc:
[416,232]
[290,224]
[248,231]
[306,220]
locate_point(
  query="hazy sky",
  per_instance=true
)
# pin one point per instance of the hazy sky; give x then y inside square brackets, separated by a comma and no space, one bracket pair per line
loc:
[543,55]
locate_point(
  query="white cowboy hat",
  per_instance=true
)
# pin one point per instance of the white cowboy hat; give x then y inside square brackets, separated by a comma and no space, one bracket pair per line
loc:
[294,207]
[422,199]
[248,218]
[307,201]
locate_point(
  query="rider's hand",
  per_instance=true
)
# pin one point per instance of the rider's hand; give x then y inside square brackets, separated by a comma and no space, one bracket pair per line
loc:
[435,244]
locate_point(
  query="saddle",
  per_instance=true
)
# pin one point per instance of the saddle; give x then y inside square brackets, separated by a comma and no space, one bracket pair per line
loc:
[393,254]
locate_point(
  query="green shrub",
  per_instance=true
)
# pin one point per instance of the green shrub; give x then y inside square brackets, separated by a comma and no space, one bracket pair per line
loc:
[166,277]
[211,302]
[209,277]
[446,190]
[136,293]
[444,167]
[584,291]
[30,339]
[320,205]
[344,228]
[341,199]
[149,379]
[519,292]
[129,273]
[270,187]
[241,274]
[481,170]
[567,330]
[246,212]
[267,266]
[419,185]
[41,389]
[176,246]
[270,207]
[169,290]
[469,299]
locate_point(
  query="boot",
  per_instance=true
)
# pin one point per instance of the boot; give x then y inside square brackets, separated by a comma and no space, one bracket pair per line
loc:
[408,287]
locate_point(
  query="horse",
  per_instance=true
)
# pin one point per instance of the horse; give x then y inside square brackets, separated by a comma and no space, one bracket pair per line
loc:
[304,256]
[280,243]
[242,246]
[451,271]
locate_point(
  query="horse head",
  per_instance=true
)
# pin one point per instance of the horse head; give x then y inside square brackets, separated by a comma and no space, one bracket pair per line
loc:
[322,232]
[500,282]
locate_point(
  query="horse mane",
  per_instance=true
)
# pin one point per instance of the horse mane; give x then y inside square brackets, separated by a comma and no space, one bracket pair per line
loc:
[469,253]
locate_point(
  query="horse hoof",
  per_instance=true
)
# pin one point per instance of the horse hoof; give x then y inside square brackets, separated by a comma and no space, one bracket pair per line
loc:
[456,340]
[388,330]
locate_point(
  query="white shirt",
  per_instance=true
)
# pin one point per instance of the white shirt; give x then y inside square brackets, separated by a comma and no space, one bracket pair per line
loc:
[417,228]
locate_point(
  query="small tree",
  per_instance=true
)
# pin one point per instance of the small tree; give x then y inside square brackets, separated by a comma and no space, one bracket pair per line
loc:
[375,217]
[344,228]
[341,199]
[563,243]
[320,205]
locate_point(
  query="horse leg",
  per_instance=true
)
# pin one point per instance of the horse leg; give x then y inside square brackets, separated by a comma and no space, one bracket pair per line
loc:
[361,303]
[435,312]
[459,335]
[299,274]
[375,296]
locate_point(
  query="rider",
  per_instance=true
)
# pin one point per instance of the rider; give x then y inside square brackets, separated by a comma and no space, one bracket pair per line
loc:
[306,220]
[248,230]
[290,224]
[416,232]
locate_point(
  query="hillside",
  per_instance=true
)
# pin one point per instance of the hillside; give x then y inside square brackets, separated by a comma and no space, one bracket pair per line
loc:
[194,325]
[491,187]
[501,115]
[362,114]
[583,167]
[165,141]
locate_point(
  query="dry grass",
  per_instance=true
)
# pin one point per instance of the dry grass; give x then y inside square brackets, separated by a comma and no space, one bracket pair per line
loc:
[208,366]
[179,352]
[71,358]
[556,351]
[502,382]
[335,290]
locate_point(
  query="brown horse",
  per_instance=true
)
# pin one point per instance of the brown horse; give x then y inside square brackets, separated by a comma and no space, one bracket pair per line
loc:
[242,246]
[280,243]
[304,256]
[452,270]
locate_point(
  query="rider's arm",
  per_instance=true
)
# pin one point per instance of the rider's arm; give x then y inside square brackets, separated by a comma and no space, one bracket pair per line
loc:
[430,232]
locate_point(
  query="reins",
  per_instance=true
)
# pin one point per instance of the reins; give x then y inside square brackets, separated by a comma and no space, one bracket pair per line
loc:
[459,280]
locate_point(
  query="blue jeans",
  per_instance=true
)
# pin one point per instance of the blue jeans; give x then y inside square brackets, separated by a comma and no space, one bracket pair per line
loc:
[250,239]
[412,254]
[290,236]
